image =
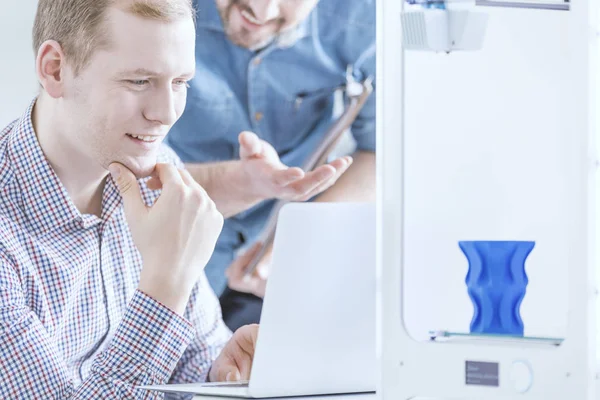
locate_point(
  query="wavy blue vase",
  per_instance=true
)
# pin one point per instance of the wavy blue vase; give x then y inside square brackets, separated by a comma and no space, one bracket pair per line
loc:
[496,283]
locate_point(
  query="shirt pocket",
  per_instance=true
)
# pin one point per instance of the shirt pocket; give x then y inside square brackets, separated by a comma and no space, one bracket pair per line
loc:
[303,112]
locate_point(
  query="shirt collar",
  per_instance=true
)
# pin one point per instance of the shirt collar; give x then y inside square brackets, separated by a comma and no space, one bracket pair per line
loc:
[45,200]
[208,17]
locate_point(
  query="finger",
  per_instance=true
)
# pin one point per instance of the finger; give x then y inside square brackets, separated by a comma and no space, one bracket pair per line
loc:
[168,174]
[286,176]
[254,283]
[342,162]
[312,180]
[233,375]
[246,284]
[228,372]
[250,145]
[236,270]
[318,190]
[245,367]
[186,177]
[129,189]
[264,266]
[190,181]
[262,270]
[246,337]
[239,360]
[251,253]
[326,185]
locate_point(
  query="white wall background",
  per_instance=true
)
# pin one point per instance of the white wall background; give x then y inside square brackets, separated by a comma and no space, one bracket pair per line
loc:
[18,85]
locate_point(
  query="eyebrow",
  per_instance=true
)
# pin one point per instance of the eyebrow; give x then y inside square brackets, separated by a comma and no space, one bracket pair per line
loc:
[147,72]
[140,71]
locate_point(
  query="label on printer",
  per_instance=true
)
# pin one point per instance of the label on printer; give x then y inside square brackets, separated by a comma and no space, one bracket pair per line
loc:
[482,373]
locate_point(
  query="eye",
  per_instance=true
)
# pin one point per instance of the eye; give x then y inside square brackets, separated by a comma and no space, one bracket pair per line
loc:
[139,82]
[182,82]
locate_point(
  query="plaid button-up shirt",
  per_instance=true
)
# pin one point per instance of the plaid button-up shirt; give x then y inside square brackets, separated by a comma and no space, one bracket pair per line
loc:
[72,322]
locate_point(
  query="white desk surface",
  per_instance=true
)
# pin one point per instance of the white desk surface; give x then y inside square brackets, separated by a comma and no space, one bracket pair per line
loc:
[368,396]
[361,396]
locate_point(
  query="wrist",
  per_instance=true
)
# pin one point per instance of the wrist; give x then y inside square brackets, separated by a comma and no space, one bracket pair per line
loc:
[241,184]
[172,297]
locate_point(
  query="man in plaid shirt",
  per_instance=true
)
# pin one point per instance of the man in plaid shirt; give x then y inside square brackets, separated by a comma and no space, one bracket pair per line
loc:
[101,275]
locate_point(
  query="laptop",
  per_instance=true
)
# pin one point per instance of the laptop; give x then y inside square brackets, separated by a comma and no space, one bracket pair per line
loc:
[317,327]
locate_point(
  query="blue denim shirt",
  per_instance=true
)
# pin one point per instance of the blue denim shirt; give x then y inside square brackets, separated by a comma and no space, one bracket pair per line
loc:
[284,93]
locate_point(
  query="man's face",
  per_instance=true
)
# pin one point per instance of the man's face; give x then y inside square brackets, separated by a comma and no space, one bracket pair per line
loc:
[254,23]
[123,103]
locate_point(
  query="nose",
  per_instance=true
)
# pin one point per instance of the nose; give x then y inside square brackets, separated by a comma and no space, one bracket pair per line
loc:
[265,10]
[161,108]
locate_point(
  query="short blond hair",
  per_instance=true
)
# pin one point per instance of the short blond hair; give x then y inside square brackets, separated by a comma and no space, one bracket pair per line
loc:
[77,25]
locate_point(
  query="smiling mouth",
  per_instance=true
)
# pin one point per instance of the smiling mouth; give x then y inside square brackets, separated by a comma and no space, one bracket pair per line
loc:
[250,18]
[144,138]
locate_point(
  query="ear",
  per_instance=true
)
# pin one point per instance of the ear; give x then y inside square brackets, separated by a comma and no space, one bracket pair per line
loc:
[50,68]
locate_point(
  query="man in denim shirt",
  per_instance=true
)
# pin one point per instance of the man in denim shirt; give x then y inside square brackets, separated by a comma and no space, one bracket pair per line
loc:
[272,67]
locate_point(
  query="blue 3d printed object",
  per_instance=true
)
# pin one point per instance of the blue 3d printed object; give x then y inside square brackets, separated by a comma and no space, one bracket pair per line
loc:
[496,283]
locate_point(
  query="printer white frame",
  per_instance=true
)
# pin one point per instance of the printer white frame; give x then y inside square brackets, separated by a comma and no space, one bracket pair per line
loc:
[409,368]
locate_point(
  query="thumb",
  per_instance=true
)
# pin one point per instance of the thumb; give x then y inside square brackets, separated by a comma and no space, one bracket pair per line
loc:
[233,375]
[250,145]
[129,189]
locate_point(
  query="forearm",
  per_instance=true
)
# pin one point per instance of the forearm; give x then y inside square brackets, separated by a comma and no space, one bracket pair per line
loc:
[148,331]
[31,364]
[357,184]
[223,182]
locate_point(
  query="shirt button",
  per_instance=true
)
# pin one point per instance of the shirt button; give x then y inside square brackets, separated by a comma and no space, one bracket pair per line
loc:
[257,61]
[258,116]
